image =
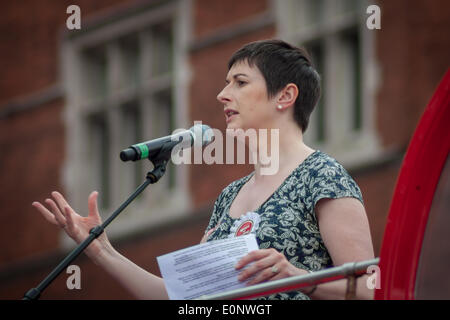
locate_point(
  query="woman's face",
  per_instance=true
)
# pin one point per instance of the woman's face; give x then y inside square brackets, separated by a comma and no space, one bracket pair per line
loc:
[245,99]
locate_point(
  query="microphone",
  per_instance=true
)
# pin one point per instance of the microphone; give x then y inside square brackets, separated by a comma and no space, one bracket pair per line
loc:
[199,134]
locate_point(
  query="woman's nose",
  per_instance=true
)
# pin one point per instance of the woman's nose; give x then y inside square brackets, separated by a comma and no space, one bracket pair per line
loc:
[223,97]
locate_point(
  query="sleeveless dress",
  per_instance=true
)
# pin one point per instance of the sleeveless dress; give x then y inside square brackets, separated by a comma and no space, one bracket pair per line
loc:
[286,221]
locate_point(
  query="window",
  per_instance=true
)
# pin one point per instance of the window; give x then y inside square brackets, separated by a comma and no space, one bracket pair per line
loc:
[125,82]
[335,34]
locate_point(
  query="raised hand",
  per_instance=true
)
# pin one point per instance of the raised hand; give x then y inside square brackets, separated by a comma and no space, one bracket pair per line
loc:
[61,214]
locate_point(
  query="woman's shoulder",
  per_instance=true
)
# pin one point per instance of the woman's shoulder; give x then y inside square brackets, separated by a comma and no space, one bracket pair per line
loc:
[237,184]
[321,164]
[328,178]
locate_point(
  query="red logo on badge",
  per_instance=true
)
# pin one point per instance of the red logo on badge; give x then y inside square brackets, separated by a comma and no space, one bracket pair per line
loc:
[244,228]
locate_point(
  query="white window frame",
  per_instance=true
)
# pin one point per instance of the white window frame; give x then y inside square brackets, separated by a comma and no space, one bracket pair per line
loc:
[352,149]
[156,205]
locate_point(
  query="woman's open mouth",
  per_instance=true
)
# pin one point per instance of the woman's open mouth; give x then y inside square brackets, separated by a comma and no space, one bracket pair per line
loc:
[230,114]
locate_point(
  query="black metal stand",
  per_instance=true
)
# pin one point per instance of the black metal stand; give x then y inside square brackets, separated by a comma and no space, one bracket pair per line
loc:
[151,178]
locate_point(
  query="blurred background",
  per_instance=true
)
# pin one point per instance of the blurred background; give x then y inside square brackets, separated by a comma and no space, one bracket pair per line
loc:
[71,100]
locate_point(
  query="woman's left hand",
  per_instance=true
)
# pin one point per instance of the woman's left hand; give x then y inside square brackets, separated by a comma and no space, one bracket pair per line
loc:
[268,264]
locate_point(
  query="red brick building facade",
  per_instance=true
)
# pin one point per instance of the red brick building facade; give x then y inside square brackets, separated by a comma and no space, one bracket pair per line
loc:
[402,64]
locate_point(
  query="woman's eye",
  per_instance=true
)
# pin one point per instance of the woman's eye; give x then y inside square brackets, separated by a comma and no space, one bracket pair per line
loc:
[240,83]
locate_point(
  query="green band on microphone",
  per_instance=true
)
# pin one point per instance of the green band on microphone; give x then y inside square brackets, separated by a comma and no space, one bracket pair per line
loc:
[144,150]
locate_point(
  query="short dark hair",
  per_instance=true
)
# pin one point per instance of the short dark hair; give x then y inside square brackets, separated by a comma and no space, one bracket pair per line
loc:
[280,64]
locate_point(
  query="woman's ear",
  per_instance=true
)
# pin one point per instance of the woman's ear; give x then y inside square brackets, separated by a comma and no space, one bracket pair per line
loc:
[287,96]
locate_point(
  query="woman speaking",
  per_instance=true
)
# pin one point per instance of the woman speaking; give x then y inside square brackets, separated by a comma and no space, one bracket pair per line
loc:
[307,216]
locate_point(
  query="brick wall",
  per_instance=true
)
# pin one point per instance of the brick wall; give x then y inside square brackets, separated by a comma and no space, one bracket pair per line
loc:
[30,168]
[34,138]
[30,34]
[413,49]
[210,15]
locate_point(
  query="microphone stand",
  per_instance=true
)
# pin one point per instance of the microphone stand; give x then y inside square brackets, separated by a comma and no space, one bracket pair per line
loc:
[160,163]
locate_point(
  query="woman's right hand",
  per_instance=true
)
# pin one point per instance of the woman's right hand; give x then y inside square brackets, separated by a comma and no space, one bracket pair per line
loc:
[77,227]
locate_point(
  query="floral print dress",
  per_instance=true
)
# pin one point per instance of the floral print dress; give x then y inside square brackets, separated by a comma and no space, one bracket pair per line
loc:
[286,221]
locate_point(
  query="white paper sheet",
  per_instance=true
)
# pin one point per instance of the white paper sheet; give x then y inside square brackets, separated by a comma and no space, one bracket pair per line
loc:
[205,269]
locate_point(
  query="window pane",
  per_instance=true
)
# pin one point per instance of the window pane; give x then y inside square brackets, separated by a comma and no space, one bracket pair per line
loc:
[162,48]
[130,54]
[316,10]
[132,134]
[351,41]
[432,280]
[347,81]
[95,74]
[100,153]
[307,13]
[165,126]
[316,49]
[347,6]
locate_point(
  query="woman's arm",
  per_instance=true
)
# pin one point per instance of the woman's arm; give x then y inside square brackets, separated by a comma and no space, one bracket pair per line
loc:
[344,228]
[142,284]
[345,231]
